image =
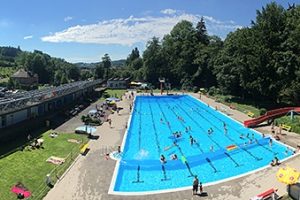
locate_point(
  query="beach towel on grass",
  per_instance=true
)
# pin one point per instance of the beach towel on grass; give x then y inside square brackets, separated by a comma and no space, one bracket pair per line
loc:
[19,188]
[73,141]
[56,160]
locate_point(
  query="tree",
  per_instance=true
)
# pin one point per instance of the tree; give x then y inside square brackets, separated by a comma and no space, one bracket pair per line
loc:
[202,32]
[135,54]
[153,61]
[85,74]
[179,49]
[73,72]
[106,62]
[133,61]
[99,71]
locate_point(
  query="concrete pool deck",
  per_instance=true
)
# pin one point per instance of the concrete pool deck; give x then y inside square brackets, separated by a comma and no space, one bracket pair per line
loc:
[89,176]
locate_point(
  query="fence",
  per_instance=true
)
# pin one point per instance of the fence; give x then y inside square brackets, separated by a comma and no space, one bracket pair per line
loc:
[55,175]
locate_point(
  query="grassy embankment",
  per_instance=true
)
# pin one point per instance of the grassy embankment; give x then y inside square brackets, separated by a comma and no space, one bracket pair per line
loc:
[254,107]
[5,73]
[30,167]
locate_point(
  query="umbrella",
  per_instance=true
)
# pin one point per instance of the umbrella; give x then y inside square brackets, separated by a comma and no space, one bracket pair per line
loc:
[135,83]
[144,85]
[112,99]
[93,111]
[112,102]
[288,175]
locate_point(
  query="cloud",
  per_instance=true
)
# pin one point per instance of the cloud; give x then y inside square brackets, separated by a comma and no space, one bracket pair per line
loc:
[68,18]
[168,11]
[132,30]
[28,37]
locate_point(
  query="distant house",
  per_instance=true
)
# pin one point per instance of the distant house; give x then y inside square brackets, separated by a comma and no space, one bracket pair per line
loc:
[118,83]
[25,78]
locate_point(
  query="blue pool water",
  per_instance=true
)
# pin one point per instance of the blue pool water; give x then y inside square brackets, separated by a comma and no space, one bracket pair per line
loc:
[150,136]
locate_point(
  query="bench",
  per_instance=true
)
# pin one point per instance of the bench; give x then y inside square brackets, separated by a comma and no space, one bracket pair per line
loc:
[83,148]
[286,127]
[250,114]
[268,194]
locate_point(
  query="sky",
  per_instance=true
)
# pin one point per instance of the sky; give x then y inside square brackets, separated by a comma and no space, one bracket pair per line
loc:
[84,30]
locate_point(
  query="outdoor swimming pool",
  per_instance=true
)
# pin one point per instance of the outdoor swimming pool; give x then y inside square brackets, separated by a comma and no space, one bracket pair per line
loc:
[150,134]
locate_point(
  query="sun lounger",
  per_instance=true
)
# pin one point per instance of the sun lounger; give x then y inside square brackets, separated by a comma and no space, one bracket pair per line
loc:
[250,114]
[84,148]
[286,127]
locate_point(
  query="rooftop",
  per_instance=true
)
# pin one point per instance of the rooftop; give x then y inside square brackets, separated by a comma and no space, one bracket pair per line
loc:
[22,73]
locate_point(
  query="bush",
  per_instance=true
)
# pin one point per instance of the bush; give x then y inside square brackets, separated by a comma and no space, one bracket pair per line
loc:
[227,99]
[90,121]
[106,95]
[195,89]
[262,111]
[213,91]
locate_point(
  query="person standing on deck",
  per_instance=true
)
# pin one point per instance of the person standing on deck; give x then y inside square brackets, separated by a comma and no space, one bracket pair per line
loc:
[195,185]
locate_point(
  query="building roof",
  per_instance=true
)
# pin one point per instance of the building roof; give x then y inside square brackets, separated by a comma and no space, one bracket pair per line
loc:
[119,79]
[21,73]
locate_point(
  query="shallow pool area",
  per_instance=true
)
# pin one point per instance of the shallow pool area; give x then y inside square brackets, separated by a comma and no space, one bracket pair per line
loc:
[206,142]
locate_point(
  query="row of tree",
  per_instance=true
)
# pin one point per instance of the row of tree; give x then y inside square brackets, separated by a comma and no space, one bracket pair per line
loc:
[50,70]
[261,61]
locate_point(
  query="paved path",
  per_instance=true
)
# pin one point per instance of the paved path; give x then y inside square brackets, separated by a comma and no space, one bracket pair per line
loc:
[89,177]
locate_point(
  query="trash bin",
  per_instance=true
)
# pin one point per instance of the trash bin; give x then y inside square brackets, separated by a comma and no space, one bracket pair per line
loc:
[294,191]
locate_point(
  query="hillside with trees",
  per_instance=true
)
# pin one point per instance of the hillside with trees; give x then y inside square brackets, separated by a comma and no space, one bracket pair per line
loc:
[258,62]
[54,71]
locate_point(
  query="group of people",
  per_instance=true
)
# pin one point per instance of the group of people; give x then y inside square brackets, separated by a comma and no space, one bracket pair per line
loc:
[196,185]
[277,132]
[275,162]
[163,159]
[250,139]
[192,140]
[177,134]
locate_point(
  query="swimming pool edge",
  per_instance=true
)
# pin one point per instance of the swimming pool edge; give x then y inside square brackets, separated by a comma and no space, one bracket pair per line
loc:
[115,173]
[190,187]
[246,127]
[142,193]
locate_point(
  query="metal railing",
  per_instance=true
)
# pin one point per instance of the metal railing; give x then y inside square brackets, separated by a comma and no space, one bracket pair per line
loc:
[56,174]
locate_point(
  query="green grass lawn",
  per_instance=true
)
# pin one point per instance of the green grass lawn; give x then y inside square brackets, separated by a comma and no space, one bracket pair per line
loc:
[113,93]
[6,72]
[30,167]
[4,80]
[240,106]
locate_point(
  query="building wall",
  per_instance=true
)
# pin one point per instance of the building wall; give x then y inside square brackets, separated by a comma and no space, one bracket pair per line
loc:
[16,117]
[26,81]
[117,84]
[41,109]
[34,111]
